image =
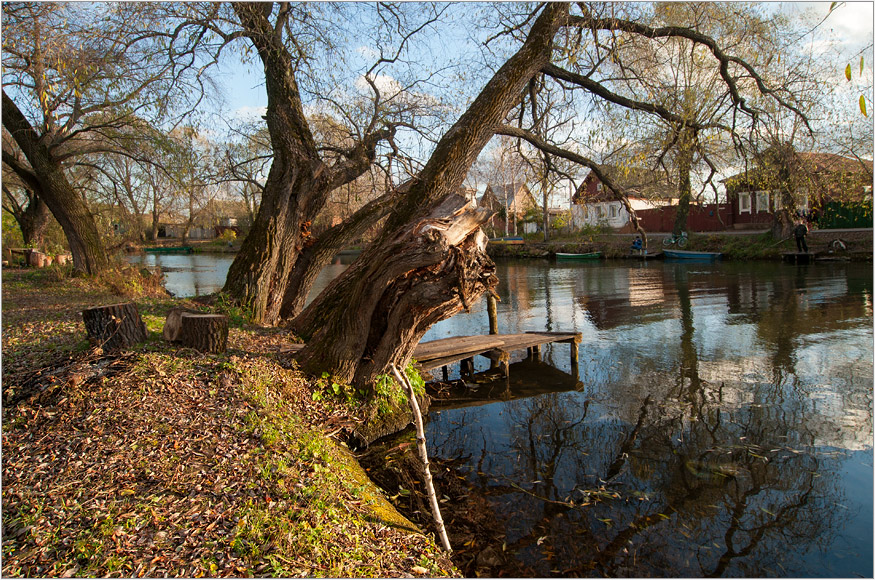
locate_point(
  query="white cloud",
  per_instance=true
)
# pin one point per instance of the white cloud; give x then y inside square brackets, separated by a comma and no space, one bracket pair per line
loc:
[852,22]
[844,31]
[386,85]
[248,113]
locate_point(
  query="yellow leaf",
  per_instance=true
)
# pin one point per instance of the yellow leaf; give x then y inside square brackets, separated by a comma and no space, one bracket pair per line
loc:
[863,105]
[848,72]
[861,65]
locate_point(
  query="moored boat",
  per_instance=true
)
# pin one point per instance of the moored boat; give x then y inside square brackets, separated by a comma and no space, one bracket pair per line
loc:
[587,256]
[507,240]
[694,256]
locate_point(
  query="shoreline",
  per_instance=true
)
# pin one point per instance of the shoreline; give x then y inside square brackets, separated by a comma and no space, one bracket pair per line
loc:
[735,245]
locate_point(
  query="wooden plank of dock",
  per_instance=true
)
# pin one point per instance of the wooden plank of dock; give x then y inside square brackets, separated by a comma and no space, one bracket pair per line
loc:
[798,257]
[456,345]
[497,347]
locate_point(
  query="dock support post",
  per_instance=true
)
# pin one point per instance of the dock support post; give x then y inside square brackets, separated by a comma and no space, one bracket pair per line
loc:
[492,309]
[535,352]
[467,367]
[575,346]
[446,373]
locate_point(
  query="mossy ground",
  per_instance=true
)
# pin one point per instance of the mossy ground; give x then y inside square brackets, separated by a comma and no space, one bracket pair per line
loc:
[160,461]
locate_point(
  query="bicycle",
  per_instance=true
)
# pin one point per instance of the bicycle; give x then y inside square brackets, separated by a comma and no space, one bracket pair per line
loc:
[680,240]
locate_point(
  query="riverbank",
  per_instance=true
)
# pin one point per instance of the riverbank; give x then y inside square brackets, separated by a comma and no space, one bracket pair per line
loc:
[160,461]
[734,245]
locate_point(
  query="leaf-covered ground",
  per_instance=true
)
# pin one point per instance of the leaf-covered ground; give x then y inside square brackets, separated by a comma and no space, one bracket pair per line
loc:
[160,461]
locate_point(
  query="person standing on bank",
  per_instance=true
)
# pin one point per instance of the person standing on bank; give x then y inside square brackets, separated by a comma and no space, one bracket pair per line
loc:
[800,231]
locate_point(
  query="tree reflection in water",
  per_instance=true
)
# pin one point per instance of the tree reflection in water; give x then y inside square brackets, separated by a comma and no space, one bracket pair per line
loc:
[674,474]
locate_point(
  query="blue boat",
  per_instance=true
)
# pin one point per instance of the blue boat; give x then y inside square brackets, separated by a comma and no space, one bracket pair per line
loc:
[691,256]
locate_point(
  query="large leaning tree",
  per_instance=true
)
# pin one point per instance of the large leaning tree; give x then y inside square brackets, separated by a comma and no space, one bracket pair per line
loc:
[78,80]
[429,262]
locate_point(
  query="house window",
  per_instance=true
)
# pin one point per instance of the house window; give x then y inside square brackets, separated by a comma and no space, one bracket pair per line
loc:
[802,200]
[615,211]
[743,203]
[601,211]
[762,201]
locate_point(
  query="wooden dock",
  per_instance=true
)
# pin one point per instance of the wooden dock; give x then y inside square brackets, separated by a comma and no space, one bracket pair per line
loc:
[798,257]
[496,347]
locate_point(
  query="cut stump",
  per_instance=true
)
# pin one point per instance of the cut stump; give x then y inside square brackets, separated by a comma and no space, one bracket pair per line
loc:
[114,326]
[204,332]
[173,323]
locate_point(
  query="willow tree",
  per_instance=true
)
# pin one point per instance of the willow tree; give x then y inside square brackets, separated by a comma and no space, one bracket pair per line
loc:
[430,260]
[74,77]
[281,256]
[21,200]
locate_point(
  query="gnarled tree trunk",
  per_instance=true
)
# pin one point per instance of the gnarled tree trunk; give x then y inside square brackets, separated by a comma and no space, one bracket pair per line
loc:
[317,254]
[431,270]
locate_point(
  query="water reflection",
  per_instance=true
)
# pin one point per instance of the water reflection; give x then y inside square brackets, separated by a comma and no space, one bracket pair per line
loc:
[724,427]
[200,274]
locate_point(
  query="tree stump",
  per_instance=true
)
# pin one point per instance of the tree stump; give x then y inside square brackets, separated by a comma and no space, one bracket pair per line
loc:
[173,323]
[36,259]
[204,332]
[114,326]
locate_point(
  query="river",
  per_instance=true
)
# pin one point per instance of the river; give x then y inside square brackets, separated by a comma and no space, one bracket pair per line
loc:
[720,423]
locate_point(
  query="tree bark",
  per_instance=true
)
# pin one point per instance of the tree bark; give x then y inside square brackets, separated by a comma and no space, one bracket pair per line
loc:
[32,219]
[114,326]
[430,261]
[204,332]
[783,225]
[173,323]
[69,208]
[315,256]
[433,269]
[685,145]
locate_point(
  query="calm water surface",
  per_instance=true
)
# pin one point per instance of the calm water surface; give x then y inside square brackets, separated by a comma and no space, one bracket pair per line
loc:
[200,274]
[720,423]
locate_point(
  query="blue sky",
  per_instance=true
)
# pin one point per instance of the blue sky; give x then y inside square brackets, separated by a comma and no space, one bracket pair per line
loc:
[843,37]
[847,30]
